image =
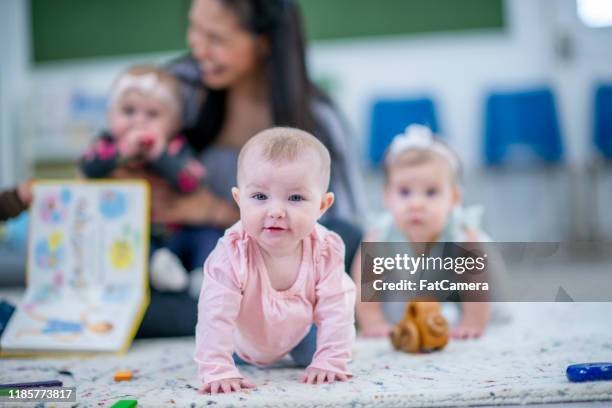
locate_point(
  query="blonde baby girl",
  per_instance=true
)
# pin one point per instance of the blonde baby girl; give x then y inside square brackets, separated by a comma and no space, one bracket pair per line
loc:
[423,200]
[275,284]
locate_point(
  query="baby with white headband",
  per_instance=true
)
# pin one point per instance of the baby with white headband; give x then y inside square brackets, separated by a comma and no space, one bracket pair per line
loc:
[423,200]
[143,124]
[144,118]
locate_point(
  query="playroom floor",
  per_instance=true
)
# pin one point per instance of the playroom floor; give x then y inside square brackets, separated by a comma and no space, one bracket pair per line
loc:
[521,361]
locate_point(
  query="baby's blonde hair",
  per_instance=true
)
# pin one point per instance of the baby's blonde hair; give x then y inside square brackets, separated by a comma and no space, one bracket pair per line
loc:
[286,144]
[151,81]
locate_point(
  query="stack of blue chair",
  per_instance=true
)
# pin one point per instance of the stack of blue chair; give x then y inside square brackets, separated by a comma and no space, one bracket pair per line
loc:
[602,131]
[525,118]
[391,116]
[522,132]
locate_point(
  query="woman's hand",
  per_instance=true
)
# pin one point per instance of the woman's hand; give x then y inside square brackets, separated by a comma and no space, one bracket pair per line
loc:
[128,173]
[170,207]
[24,191]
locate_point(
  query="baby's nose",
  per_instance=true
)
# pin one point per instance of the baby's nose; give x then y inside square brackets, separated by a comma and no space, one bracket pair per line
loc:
[417,203]
[140,119]
[276,210]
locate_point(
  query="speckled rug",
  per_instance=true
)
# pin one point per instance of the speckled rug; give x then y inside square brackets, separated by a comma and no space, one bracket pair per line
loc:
[520,362]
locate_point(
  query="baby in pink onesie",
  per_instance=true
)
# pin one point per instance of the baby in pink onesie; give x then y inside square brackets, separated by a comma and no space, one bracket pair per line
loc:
[275,283]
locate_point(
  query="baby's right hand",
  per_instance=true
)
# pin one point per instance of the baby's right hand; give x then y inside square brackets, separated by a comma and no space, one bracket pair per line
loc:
[226,386]
[130,143]
[377,329]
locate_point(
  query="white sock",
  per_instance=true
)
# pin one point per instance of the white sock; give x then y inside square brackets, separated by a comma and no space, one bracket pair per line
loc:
[167,272]
[195,282]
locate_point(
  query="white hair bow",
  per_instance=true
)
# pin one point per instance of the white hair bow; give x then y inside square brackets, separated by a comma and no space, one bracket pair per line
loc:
[419,137]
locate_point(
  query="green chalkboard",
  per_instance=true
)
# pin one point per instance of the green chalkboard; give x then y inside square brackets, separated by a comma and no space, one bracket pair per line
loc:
[74,29]
[328,19]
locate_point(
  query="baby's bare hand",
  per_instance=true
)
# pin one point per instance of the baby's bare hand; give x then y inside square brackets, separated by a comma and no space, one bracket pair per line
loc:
[316,376]
[152,144]
[464,331]
[226,386]
[129,143]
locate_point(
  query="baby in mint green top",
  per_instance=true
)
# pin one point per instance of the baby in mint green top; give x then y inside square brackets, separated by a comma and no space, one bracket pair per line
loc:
[423,200]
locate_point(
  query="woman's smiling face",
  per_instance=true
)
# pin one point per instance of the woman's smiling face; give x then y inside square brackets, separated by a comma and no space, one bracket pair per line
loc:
[227,52]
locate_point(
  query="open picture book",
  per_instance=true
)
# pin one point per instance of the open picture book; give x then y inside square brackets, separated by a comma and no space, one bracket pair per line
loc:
[87,282]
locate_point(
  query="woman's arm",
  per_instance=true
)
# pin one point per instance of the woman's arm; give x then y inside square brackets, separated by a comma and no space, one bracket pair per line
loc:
[11,204]
[202,207]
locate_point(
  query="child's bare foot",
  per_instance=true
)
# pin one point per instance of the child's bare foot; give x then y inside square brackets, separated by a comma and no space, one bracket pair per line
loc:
[381,329]
[317,376]
[226,386]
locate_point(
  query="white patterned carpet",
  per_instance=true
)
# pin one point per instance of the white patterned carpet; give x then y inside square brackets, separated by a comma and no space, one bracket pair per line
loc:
[520,362]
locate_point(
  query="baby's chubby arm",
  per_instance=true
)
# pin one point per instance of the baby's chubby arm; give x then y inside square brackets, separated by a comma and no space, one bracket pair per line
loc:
[475,315]
[218,309]
[334,315]
[370,316]
[177,164]
[101,158]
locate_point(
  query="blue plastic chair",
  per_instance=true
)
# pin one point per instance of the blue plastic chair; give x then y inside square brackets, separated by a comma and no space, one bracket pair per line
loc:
[527,118]
[390,117]
[602,131]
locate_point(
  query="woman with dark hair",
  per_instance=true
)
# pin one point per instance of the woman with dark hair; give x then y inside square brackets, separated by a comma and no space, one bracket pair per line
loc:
[246,72]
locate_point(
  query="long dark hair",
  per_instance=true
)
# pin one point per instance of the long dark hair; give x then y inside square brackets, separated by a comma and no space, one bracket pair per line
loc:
[290,89]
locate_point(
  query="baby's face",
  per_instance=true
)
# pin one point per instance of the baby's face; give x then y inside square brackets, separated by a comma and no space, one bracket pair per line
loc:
[421,198]
[280,202]
[135,110]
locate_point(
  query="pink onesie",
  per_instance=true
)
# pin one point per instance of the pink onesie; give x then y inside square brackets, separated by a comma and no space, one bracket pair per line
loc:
[240,312]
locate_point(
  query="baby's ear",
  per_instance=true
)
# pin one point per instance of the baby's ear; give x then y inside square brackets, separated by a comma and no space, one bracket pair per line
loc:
[326,202]
[236,195]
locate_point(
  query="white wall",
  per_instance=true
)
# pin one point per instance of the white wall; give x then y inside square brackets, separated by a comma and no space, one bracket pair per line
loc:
[457,69]
[14,53]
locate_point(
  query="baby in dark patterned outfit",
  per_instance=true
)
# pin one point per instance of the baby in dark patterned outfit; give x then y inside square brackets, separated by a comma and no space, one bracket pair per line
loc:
[144,118]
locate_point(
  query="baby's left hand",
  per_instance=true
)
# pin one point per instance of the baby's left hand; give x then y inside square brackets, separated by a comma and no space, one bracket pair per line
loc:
[473,322]
[317,376]
[467,330]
